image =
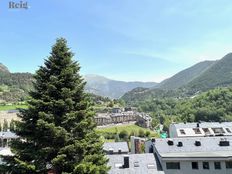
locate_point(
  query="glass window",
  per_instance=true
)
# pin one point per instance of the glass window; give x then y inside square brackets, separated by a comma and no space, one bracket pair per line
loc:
[182,131]
[206,130]
[229,164]
[205,165]
[173,165]
[218,130]
[217,165]
[194,165]
[228,130]
[197,130]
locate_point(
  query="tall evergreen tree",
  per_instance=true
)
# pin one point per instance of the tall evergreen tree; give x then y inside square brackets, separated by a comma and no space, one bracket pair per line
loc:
[57,130]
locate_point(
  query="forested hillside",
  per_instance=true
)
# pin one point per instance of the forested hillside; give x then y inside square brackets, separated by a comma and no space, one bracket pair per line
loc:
[14,86]
[214,105]
[219,74]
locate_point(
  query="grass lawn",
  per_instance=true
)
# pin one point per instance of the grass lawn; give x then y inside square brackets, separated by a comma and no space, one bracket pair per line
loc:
[11,107]
[128,128]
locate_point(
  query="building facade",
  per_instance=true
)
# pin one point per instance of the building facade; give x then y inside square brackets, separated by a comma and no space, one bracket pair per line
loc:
[119,116]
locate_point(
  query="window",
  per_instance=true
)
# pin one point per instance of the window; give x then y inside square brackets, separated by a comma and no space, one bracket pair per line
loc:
[194,165]
[205,165]
[182,132]
[229,164]
[228,130]
[173,165]
[197,130]
[218,130]
[206,130]
[217,165]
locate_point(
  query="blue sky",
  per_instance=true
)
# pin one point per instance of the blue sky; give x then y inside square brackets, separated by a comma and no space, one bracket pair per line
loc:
[129,40]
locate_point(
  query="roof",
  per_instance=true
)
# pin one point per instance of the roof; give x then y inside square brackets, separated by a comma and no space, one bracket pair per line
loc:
[8,135]
[138,163]
[116,146]
[6,152]
[203,129]
[102,115]
[209,148]
[202,124]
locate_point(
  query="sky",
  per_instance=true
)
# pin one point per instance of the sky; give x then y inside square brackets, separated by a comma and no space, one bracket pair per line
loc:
[129,40]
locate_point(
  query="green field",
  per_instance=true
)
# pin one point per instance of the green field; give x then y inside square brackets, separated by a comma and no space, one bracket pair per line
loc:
[128,128]
[11,107]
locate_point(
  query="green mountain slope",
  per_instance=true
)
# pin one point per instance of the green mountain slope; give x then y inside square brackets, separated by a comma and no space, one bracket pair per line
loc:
[219,74]
[14,86]
[198,78]
[185,76]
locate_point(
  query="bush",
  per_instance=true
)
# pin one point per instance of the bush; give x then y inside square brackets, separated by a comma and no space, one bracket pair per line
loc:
[141,133]
[123,135]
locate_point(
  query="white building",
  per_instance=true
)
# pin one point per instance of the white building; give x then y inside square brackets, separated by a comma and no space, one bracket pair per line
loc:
[200,129]
[194,155]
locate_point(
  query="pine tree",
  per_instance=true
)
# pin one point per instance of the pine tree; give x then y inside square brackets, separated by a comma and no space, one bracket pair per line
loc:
[57,130]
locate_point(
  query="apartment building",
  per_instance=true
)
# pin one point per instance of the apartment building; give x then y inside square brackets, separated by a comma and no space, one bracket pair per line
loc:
[193,155]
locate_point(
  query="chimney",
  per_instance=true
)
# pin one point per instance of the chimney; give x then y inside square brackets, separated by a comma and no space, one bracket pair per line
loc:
[170,142]
[111,151]
[180,144]
[197,143]
[126,161]
[119,151]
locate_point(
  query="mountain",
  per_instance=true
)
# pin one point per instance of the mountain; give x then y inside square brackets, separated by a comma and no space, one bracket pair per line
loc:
[15,86]
[218,75]
[184,77]
[198,78]
[3,69]
[102,86]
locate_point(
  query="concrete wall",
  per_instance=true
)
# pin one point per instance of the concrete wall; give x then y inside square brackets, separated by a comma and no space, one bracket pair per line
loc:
[186,168]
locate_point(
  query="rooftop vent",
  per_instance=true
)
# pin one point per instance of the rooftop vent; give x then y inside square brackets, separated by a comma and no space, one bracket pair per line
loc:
[119,151]
[111,150]
[136,164]
[224,142]
[180,144]
[126,162]
[170,142]
[197,143]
